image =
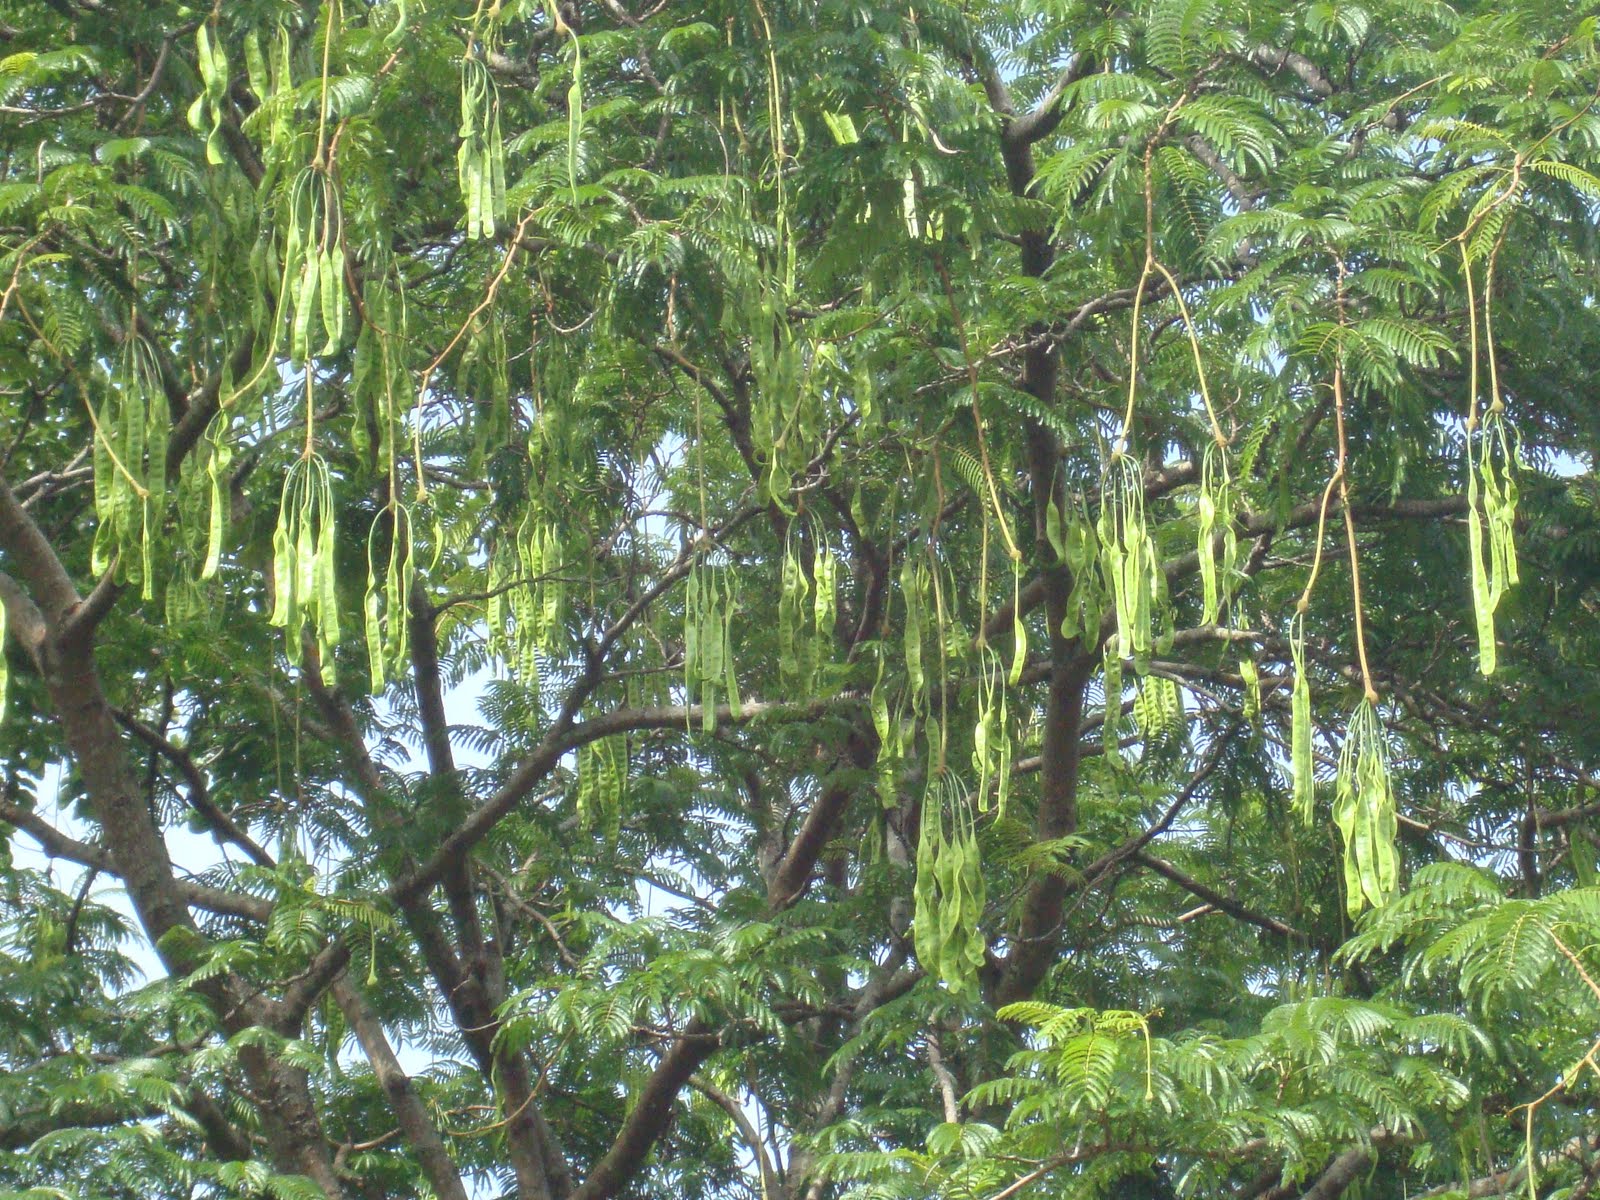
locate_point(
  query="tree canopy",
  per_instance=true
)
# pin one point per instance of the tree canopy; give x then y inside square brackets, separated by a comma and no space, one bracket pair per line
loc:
[799,599]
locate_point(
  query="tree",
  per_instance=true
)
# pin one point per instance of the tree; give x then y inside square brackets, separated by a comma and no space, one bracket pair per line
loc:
[799,599]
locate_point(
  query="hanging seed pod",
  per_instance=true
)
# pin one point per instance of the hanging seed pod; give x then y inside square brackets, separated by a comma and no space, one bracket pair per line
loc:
[131,434]
[602,784]
[713,651]
[588,783]
[539,560]
[824,611]
[303,562]
[988,729]
[691,632]
[793,594]
[1019,627]
[1055,528]
[335,301]
[384,606]
[784,409]
[496,607]
[574,116]
[925,888]
[913,586]
[193,540]
[891,739]
[312,291]
[1491,517]
[257,77]
[1300,760]
[1080,551]
[949,892]
[218,459]
[481,157]
[981,728]
[212,61]
[1216,515]
[724,630]
[302,266]
[1251,676]
[1158,711]
[1128,558]
[552,590]
[1364,809]
[710,601]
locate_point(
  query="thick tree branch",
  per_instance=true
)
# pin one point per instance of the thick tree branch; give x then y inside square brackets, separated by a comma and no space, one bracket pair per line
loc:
[20,1130]
[1340,1173]
[794,872]
[197,895]
[566,736]
[771,1185]
[1273,59]
[1243,194]
[86,618]
[408,1109]
[33,559]
[650,1113]
[1041,121]
[24,621]
[138,851]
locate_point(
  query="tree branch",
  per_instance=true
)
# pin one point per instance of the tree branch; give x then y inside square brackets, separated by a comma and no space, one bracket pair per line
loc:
[1340,1173]
[199,792]
[567,736]
[139,853]
[650,1113]
[1215,898]
[771,1185]
[1273,59]
[408,1110]
[1042,120]
[197,895]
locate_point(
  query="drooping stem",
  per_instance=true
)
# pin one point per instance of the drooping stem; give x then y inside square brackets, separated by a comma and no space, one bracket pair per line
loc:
[1472,348]
[1151,264]
[1194,346]
[1496,404]
[320,158]
[311,421]
[977,420]
[1322,523]
[1344,497]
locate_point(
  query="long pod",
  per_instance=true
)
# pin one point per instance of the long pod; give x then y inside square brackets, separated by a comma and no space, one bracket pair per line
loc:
[1364,809]
[1300,760]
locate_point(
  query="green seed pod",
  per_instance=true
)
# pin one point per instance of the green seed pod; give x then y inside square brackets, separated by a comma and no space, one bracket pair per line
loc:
[1252,689]
[924,891]
[1019,628]
[1364,809]
[1127,553]
[217,463]
[911,585]
[1300,758]
[730,603]
[305,309]
[1215,515]
[1491,517]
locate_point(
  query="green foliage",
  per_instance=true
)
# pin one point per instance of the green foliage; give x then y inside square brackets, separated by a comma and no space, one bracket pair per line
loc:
[761,591]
